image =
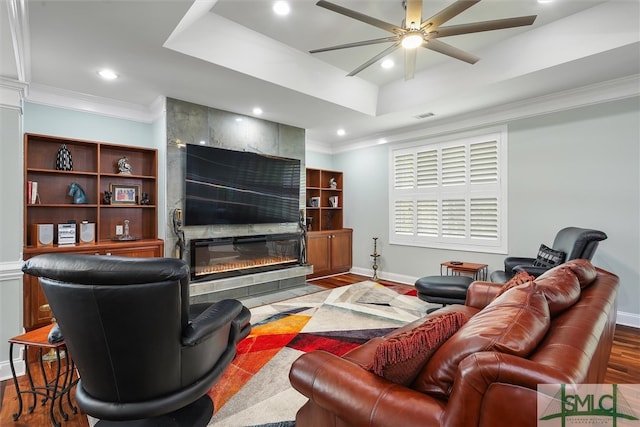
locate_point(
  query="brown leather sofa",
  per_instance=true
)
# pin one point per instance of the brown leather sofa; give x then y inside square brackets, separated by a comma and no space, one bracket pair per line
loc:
[488,388]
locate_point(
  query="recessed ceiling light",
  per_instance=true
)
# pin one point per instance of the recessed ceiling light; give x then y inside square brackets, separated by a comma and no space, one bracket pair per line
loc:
[341,132]
[281,8]
[202,142]
[387,63]
[257,111]
[107,74]
[545,1]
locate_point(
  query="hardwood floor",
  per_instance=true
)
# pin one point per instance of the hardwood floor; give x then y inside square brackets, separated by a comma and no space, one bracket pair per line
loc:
[624,368]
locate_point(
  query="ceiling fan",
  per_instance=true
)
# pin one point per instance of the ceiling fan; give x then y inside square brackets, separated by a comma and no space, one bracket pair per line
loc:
[416,33]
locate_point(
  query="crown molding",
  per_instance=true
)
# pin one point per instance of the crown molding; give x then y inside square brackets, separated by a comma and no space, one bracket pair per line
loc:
[11,94]
[317,147]
[18,17]
[598,93]
[70,100]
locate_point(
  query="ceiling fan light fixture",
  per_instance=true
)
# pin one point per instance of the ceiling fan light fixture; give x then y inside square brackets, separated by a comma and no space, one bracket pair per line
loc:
[412,40]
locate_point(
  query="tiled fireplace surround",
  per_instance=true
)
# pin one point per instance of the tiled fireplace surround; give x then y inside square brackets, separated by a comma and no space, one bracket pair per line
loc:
[191,123]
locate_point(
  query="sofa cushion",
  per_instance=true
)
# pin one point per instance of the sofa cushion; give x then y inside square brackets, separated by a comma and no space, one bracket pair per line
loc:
[561,288]
[514,323]
[548,257]
[401,357]
[518,279]
[582,268]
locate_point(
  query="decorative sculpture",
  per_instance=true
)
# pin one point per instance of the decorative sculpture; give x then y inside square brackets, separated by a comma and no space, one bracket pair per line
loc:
[78,194]
[64,161]
[123,166]
[303,238]
[144,200]
[107,197]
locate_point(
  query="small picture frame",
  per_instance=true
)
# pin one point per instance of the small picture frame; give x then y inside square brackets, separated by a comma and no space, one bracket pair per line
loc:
[124,194]
[314,202]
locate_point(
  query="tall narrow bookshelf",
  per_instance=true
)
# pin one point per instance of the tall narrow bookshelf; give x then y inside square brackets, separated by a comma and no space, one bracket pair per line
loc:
[324,200]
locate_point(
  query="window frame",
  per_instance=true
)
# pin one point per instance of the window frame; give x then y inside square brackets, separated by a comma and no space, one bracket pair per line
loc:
[484,198]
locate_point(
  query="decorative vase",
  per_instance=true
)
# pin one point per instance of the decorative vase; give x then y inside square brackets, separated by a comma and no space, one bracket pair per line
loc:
[64,162]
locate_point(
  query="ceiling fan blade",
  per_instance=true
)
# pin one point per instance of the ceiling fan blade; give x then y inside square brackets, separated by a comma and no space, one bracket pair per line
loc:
[360,17]
[356,44]
[410,63]
[414,14]
[447,49]
[375,58]
[476,27]
[447,13]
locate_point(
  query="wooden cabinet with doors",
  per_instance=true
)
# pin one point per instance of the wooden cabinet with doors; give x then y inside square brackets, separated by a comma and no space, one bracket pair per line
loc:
[95,169]
[329,252]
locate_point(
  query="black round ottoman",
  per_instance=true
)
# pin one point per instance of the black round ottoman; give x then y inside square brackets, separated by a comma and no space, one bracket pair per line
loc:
[443,289]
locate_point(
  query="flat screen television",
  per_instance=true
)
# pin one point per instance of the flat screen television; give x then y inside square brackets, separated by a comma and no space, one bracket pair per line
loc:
[238,187]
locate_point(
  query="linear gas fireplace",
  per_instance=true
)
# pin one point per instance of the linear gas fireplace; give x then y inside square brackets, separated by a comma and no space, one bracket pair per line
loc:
[217,258]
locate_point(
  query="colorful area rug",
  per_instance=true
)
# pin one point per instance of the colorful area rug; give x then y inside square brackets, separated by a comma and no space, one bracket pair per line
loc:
[255,389]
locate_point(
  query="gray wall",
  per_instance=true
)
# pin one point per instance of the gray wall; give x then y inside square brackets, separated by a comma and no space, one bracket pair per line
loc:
[10,232]
[192,123]
[573,168]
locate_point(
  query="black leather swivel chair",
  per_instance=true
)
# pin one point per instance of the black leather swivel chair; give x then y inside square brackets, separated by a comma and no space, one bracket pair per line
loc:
[142,352]
[574,242]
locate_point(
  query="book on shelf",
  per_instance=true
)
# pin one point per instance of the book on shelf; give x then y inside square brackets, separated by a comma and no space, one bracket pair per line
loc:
[32,192]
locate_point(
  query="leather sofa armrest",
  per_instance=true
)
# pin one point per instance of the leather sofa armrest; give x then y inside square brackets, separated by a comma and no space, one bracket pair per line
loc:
[485,379]
[531,269]
[359,397]
[210,320]
[480,293]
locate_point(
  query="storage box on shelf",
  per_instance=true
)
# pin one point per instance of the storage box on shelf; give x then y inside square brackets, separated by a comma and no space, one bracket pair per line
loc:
[328,243]
[95,170]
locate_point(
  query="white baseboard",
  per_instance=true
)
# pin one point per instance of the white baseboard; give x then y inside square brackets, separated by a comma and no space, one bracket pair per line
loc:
[5,368]
[400,278]
[628,319]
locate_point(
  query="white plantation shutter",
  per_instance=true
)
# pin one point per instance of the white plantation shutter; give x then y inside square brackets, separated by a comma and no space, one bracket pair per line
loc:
[427,218]
[454,218]
[427,168]
[450,194]
[484,218]
[403,217]
[454,165]
[403,171]
[484,162]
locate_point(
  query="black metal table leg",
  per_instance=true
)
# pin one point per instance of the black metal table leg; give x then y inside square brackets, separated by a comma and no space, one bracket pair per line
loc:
[15,383]
[28,370]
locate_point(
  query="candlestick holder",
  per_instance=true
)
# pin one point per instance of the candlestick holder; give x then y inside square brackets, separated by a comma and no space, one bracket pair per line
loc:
[375,255]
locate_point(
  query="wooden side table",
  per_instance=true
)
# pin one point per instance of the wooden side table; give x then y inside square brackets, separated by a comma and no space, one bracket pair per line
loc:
[477,271]
[53,389]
